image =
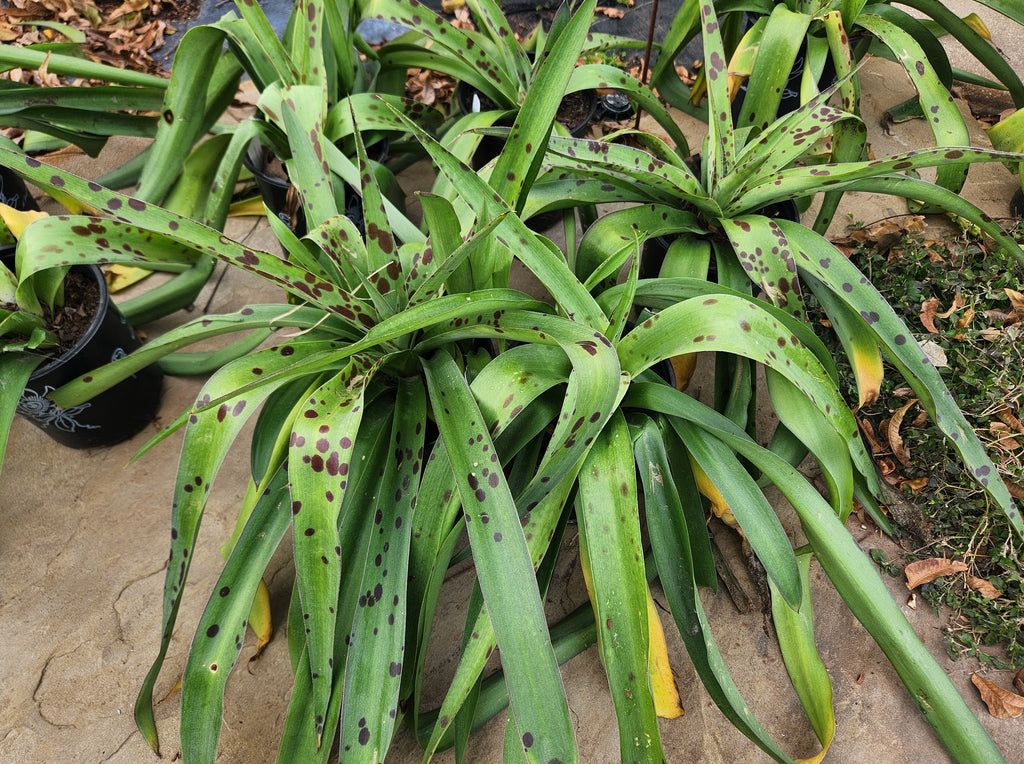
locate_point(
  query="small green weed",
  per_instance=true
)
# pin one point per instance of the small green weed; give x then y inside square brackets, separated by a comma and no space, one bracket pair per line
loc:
[953,295]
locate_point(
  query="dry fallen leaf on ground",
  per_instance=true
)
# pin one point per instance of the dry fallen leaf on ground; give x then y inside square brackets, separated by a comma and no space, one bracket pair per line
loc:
[869,432]
[983,587]
[612,13]
[929,308]
[1016,489]
[1003,438]
[892,434]
[884,235]
[1016,300]
[917,484]
[935,353]
[1001,703]
[923,571]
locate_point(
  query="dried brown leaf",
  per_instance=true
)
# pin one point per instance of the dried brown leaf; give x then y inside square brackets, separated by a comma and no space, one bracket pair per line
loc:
[612,13]
[462,19]
[888,467]
[923,571]
[1016,300]
[917,484]
[959,301]
[1001,703]
[983,587]
[869,432]
[929,309]
[964,322]
[995,316]
[1003,437]
[914,224]
[883,229]
[892,433]
[1016,489]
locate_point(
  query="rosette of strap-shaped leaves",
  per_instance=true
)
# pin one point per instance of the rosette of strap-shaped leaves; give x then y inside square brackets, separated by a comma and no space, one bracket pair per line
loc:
[422,399]
[780,45]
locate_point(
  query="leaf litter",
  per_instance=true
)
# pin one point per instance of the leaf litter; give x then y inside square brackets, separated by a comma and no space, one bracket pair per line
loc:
[124,34]
[964,305]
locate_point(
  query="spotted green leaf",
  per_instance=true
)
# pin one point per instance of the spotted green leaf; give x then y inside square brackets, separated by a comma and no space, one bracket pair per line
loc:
[376,644]
[221,629]
[611,553]
[852,573]
[504,569]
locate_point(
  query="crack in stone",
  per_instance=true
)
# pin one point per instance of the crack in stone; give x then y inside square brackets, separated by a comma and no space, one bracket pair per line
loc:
[120,595]
[118,749]
[42,678]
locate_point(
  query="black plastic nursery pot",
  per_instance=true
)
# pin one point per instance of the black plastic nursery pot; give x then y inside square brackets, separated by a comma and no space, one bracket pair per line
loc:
[582,104]
[14,192]
[281,198]
[110,417]
[790,99]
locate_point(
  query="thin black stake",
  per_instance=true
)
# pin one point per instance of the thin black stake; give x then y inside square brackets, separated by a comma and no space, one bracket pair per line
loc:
[647,56]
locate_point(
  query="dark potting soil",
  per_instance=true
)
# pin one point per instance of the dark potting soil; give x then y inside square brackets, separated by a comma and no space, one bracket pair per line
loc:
[524,18]
[572,111]
[81,303]
[71,322]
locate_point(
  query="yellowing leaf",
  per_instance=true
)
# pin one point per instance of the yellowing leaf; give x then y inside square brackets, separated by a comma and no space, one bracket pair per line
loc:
[712,494]
[1001,703]
[663,683]
[120,277]
[18,220]
[247,207]
[683,366]
[259,619]
[923,571]
[814,759]
[973,20]
[866,361]
[71,204]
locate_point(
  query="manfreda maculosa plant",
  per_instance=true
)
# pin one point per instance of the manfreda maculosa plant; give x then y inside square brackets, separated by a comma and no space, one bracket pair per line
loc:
[25,339]
[375,326]
[816,35]
[569,415]
[178,112]
[503,69]
[742,173]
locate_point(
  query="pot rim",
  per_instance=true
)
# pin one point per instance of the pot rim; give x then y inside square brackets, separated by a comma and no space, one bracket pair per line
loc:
[54,362]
